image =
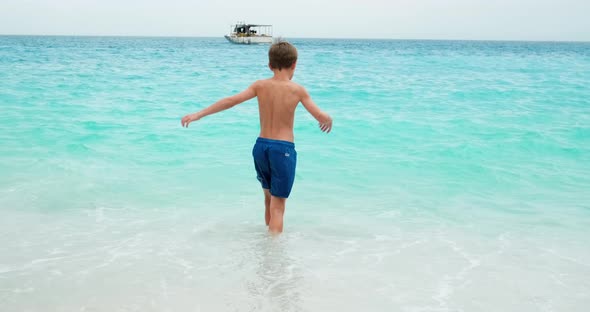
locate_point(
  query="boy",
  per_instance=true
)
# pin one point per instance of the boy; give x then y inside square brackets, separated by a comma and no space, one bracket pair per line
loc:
[274,152]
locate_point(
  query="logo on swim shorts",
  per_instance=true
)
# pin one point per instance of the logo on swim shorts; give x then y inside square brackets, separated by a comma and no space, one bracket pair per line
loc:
[287,155]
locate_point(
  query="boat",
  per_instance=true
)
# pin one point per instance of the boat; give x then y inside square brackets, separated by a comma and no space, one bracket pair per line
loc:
[242,33]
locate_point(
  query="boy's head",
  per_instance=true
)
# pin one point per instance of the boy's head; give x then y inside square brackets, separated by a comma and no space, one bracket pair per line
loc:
[282,55]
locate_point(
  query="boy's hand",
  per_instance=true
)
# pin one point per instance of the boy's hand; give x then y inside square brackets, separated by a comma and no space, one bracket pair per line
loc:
[326,125]
[186,120]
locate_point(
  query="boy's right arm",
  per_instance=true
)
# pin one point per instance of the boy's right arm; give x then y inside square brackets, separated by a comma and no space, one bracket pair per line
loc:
[323,118]
[221,105]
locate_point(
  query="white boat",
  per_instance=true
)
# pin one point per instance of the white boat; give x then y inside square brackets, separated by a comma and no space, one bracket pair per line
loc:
[243,33]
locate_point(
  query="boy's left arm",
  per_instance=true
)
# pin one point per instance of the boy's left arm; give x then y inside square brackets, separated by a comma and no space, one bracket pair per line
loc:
[221,105]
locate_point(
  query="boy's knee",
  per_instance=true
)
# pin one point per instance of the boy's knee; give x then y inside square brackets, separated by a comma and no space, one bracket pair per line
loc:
[277,211]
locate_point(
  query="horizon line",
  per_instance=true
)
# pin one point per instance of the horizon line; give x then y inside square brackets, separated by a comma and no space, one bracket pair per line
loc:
[324,38]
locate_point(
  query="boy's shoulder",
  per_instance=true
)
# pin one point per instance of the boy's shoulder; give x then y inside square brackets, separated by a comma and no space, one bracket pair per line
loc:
[270,83]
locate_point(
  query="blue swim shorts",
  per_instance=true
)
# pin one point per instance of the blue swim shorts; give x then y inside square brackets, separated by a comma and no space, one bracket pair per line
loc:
[275,163]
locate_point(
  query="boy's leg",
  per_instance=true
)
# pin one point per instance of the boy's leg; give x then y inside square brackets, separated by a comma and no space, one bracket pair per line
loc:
[277,210]
[266,206]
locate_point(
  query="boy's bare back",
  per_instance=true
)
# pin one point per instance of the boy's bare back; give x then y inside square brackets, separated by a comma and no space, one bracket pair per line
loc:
[277,101]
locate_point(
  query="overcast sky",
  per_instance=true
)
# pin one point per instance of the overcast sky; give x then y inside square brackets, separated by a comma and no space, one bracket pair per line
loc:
[401,19]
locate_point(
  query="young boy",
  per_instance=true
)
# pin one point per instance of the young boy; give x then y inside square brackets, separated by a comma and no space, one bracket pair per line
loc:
[274,152]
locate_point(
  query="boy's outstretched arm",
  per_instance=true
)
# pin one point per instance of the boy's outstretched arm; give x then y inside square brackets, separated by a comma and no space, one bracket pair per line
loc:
[221,105]
[324,120]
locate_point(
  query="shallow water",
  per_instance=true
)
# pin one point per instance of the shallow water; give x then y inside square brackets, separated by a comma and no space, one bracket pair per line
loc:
[455,179]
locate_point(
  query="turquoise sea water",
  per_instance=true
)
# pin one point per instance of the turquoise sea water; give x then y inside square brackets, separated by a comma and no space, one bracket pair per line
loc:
[456,178]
